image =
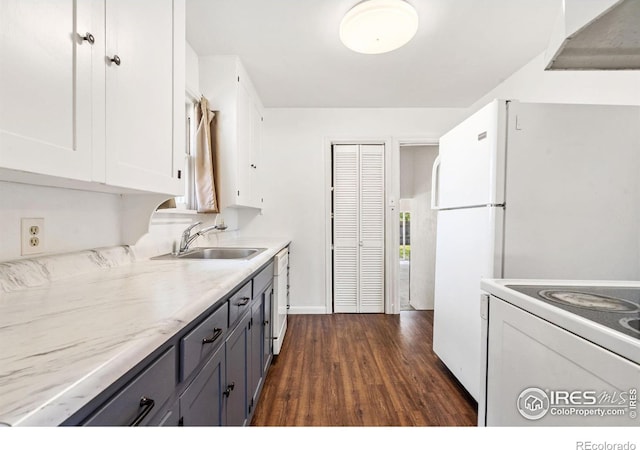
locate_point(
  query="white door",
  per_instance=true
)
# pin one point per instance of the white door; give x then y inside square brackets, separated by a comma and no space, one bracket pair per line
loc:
[46,85]
[358,228]
[140,95]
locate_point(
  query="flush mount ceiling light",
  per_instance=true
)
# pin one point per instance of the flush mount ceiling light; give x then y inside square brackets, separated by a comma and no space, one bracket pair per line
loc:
[378,26]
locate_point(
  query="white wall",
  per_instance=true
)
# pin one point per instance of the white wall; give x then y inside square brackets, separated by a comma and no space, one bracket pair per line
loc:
[192,79]
[74,220]
[533,84]
[406,172]
[294,163]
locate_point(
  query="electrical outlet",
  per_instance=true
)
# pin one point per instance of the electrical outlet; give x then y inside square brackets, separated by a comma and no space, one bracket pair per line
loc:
[32,236]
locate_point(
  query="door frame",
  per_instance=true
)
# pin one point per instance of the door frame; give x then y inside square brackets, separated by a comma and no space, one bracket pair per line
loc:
[394,257]
[392,195]
[388,150]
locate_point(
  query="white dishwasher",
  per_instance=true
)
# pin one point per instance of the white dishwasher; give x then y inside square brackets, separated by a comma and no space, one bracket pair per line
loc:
[280,298]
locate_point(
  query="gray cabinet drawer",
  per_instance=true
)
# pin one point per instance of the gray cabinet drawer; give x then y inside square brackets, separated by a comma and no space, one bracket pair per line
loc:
[204,339]
[262,279]
[239,303]
[139,400]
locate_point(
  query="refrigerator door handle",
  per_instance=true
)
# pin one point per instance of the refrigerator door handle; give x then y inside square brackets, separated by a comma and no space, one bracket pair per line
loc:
[435,172]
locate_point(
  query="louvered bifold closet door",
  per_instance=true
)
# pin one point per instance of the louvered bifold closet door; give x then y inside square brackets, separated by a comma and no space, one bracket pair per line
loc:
[358,228]
[345,228]
[371,242]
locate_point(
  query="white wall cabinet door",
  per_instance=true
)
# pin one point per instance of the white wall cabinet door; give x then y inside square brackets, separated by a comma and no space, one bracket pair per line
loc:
[245,107]
[67,111]
[358,228]
[140,97]
[226,84]
[257,199]
[47,85]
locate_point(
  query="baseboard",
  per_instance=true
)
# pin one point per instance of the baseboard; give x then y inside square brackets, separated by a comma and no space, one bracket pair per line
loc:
[307,310]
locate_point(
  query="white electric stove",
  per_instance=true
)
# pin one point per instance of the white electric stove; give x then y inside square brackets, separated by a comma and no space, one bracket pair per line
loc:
[560,353]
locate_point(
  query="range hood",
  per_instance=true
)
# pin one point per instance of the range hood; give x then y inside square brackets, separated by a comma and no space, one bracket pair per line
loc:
[596,35]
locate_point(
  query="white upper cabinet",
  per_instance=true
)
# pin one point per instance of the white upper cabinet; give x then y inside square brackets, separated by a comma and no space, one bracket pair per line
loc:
[140,94]
[225,82]
[47,98]
[94,91]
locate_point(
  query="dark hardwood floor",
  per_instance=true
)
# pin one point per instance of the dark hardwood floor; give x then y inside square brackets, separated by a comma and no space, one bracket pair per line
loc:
[362,370]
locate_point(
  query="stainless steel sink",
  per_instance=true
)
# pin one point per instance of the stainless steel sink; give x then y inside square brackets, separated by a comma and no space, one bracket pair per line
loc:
[215,253]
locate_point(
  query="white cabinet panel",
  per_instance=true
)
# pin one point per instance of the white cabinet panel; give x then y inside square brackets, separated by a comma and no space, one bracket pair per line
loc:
[46,96]
[226,84]
[61,98]
[139,94]
[245,107]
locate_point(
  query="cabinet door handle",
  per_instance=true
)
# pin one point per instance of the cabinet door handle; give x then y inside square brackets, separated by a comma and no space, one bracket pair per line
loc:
[89,38]
[217,332]
[228,390]
[116,60]
[243,301]
[266,322]
[147,405]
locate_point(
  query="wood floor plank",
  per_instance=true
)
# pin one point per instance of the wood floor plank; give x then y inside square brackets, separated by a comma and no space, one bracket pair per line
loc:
[362,370]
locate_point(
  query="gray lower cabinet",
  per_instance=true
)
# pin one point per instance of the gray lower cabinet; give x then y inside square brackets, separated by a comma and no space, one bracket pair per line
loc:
[201,403]
[209,375]
[142,397]
[267,347]
[237,347]
[255,368]
[261,343]
[169,418]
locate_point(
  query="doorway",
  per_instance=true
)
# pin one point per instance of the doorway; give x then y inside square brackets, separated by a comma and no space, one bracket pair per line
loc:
[418,223]
[404,272]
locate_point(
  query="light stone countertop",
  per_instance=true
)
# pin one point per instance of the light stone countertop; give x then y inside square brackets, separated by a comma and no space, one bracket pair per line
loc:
[67,340]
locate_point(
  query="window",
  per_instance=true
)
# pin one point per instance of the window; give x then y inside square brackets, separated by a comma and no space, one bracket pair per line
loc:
[405,236]
[188,201]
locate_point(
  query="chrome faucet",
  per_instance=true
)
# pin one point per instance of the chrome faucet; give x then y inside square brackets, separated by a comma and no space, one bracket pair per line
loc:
[188,238]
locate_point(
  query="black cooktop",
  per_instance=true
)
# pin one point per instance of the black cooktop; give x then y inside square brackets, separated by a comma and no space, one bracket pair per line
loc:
[614,307]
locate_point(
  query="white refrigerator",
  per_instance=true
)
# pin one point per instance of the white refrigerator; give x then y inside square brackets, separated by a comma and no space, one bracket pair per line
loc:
[533,191]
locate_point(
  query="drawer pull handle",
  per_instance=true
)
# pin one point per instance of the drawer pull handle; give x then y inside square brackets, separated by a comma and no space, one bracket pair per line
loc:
[243,301]
[217,332]
[147,405]
[228,390]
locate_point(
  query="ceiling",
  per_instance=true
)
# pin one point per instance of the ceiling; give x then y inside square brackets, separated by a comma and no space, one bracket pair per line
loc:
[294,56]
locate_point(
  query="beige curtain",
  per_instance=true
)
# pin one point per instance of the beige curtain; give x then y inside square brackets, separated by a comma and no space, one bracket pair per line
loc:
[205,183]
